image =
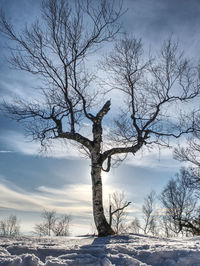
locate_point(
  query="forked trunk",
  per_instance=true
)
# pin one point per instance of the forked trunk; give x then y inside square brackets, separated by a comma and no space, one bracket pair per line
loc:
[103,228]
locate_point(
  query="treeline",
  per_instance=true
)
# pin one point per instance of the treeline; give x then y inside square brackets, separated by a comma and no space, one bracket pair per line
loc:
[174,212]
[51,225]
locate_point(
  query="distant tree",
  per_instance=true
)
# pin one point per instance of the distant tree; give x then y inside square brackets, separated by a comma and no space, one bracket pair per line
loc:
[10,226]
[61,227]
[148,210]
[135,226]
[53,224]
[41,229]
[166,225]
[117,213]
[49,220]
[179,202]
[148,222]
[150,88]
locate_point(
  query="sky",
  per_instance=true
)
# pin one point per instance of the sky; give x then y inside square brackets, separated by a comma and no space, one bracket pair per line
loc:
[60,179]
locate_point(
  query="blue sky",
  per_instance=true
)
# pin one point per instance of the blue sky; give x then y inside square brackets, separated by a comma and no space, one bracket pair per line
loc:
[60,179]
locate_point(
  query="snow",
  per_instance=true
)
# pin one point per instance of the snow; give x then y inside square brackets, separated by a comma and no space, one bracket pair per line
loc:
[132,249]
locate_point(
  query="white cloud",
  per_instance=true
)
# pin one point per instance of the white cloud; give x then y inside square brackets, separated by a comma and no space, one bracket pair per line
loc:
[73,199]
[153,158]
[19,143]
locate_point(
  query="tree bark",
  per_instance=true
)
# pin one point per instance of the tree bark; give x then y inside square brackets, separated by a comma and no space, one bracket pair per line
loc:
[103,228]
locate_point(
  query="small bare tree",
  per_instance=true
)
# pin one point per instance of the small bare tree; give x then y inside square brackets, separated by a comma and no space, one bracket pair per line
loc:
[53,224]
[50,220]
[58,54]
[47,226]
[61,227]
[117,213]
[41,229]
[148,209]
[148,222]
[166,226]
[10,226]
[135,226]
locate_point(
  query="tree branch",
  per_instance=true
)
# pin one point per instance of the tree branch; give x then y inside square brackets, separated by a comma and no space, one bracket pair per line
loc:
[117,210]
[119,150]
[77,137]
[108,165]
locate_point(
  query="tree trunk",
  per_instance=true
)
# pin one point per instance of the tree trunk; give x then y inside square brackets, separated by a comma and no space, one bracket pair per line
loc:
[103,228]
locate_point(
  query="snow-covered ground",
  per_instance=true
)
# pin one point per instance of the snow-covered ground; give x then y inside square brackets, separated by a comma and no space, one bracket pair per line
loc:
[90,251]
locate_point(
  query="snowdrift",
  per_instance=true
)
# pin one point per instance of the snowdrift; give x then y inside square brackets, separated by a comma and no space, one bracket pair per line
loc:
[136,250]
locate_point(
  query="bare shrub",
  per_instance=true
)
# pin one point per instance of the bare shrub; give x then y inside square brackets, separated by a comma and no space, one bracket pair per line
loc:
[10,226]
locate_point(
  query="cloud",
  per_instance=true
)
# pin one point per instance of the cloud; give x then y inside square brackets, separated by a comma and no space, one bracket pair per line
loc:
[17,142]
[74,199]
[15,199]
[155,20]
[153,158]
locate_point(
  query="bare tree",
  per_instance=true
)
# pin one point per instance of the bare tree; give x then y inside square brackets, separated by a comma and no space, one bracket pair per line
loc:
[10,226]
[135,226]
[41,229]
[179,202]
[47,226]
[117,213]
[50,220]
[165,225]
[53,224]
[148,223]
[148,209]
[58,54]
[61,227]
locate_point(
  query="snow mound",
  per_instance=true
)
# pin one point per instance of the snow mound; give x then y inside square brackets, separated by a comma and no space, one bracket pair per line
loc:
[133,250]
[22,260]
